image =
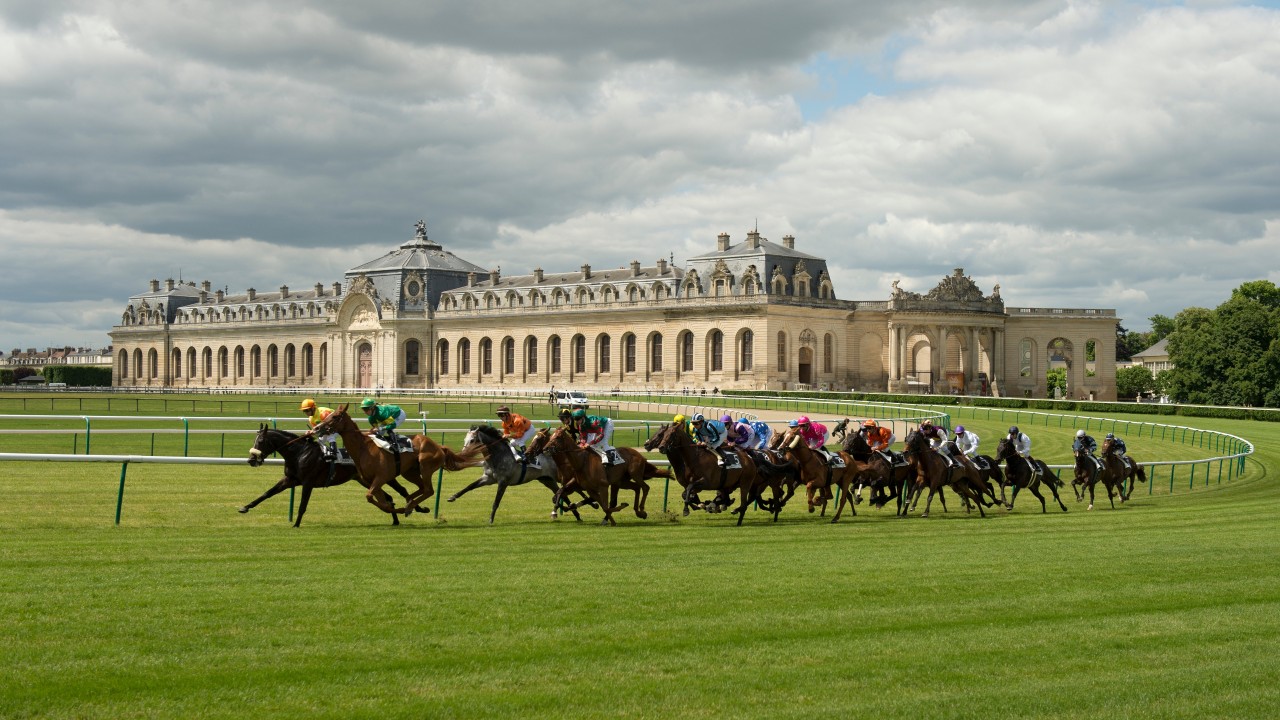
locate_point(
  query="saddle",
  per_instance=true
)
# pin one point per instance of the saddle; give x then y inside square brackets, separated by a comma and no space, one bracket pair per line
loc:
[405,443]
[979,463]
[728,459]
[610,456]
[342,458]
[835,461]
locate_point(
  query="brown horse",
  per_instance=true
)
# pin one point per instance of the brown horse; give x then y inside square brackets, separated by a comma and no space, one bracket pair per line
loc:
[931,469]
[820,475]
[702,470]
[584,470]
[1026,473]
[772,471]
[1112,475]
[884,476]
[1133,471]
[378,466]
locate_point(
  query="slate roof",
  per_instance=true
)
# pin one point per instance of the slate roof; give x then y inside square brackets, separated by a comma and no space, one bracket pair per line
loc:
[744,250]
[619,275]
[418,254]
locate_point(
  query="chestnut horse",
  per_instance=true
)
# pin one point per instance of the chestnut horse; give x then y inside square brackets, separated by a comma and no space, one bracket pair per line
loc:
[818,475]
[1026,473]
[701,469]
[378,466]
[931,469]
[582,469]
[305,465]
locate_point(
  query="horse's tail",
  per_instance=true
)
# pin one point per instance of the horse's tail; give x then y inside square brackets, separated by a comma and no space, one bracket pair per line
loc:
[1049,476]
[1142,473]
[653,471]
[455,461]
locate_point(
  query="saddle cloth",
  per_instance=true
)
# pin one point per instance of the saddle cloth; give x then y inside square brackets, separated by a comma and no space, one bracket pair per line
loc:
[406,444]
[835,461]
[343,458]
[980,463]
[729,460]
[610,456]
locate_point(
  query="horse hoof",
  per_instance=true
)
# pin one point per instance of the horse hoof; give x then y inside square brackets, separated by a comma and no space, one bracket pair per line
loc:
[243,510]
[451,498]
[1090,507]
[642,514]
[924,514]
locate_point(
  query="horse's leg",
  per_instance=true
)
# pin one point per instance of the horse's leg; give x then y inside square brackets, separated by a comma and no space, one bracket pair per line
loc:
[497,500]
[744,491]
[485,479]
[302,505]
[1090,496]
[844,500]
[1054,489]
[1013,498]
[929,503]
[273,490]
[1036,491]
[942,498]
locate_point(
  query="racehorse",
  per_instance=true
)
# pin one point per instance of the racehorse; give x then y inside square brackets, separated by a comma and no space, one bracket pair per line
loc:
[1112,475]
[1026,473]
[501,468]
[771,471]
[819,474]
[379,466]
[885,477]
[701,470]
[1133,472]
[931,469]
[584,469]
[305,465]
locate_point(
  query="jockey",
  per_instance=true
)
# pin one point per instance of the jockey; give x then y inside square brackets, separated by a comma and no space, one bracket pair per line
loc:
[966,443]
[761,431]
[814,434]
[740,433]
[684,422]
[383,418]
[516,429]
[316,414]
[838,432]
[1021,443]
[937,438]
[1085,444]
[1117,446]
[709,434]
[594,431]
[879,438]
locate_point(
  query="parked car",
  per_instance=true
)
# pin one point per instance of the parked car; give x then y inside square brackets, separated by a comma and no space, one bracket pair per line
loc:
[573,399]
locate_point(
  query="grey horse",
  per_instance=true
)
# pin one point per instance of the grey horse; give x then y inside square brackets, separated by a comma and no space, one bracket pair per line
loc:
[502,468]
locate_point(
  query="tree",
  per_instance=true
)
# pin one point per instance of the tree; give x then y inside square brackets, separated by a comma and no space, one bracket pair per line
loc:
[1229,355]
[1161,327]
[1056,378]
[22,372]
[1133,381]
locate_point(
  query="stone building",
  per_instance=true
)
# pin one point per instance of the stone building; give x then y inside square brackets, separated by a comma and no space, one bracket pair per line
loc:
[749,315]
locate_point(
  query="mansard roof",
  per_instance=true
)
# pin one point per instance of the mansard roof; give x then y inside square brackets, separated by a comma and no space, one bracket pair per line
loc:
[620,275]
[745,250]
[419,253]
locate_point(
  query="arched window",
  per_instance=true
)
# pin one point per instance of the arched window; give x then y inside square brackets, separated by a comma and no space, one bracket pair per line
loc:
[176,362]
[308,366]
[324,360]
[629,353]
[486,356]
[605,348]
[555,354]
[745,352]
[137,363]
[412,351]
[655,353]
[717,351]
[1026,353]
[124,364]
[255,362]
[153,364]
[579,354]
[273,361]
[192,367]
[290,361]
[782,351]
[686,352]
[223,370]
[444,357]
[464,357]
[828,352]
[208,362]
[531,355]
[509,356]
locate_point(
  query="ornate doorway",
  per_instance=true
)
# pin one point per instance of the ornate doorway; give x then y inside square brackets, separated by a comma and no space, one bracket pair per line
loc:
[806,366]
[364,365]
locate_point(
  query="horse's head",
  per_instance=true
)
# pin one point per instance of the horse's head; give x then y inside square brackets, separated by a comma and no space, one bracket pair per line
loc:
[856,444]
[656,439]
[336,422]
[262,447]
[538,443]
[1004,449]
[674,437]
[484,435]
[1108,444]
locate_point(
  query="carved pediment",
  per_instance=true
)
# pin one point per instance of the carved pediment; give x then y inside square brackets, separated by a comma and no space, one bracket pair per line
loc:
[721,270]
[364,285]
[957,287]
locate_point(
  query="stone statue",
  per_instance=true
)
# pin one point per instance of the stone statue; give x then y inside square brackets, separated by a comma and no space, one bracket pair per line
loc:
[421,228]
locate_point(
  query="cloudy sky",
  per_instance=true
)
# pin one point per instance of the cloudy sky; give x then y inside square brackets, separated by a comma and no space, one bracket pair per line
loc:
[1081,154]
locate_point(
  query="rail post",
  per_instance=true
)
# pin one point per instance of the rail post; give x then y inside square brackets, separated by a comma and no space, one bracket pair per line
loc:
[86,434]
[439,490]
[291,490]
[186,437]
[120,497]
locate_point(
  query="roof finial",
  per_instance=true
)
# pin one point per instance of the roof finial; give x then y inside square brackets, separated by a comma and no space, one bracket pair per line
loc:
[421,228]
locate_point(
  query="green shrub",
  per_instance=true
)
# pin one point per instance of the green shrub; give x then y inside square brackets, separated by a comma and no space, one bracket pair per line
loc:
[79,375]
[6,377]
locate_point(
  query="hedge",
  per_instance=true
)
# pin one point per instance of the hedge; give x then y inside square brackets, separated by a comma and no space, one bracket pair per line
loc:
[78,375]
[6,377]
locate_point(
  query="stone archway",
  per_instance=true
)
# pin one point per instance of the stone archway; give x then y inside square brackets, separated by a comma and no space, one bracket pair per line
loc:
[805,366]
[364,365]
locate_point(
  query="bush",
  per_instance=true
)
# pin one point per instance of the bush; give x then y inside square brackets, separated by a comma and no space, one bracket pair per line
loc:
[6,377]
[79,375]
[22,372]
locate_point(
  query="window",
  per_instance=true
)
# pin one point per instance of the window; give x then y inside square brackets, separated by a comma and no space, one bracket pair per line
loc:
[153,364]
[239,362]
[308,367]
[555,355]
[412,350]
[605,350]
[655,354]
[222,363]
[509,357]
[629,353]
[191,363]
[324,359]
[531,355]
[486,356]
[828,352]
[177,363]
[464,356]
[444,358]
[686,352]
[124,364]
[273,365]
[137,363]
[717,351]
[748,339]
[1024,358]
[580,354]
[208,362]
[782,351]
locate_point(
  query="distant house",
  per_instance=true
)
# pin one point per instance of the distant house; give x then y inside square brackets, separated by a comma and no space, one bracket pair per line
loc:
[1154,358]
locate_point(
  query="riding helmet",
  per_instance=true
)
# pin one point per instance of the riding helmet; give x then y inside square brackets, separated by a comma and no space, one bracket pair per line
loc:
[308,405]
[368,403]
[1013,430]
[726,419]
[869,424]
[793,423]
[579,414]
[697,418]
[959,429]
[802,420]
[679,419]
[1111,436]
[1080,433]
[504,410]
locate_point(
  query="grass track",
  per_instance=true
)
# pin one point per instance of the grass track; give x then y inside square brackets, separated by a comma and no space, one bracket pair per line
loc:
[1166,608]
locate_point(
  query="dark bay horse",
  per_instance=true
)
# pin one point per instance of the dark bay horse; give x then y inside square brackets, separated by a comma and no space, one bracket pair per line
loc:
[583,469]
[1111,475]
[773,471]
[305,465]
[931,469]
[501,468]
[378,466]
[1026,473]
[700,469]
[884,475]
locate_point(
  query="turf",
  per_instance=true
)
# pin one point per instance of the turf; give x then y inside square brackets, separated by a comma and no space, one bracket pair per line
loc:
[1168,607]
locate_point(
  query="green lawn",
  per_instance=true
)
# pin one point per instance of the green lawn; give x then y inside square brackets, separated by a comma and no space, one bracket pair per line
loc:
[1168,607]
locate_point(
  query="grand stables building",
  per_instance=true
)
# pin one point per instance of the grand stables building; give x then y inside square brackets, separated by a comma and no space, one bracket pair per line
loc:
[748,315]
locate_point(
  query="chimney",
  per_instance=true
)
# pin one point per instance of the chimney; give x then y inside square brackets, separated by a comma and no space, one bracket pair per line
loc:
[586,271]
[319,289]
[471,279]
[753,239]
[494,275]
[722,242]
[253,293]
[204,296]
[284,291]
[337,289]
[205,285]
[635,268]
[218,296]
[155,286]
[789,241]
[662,266]
[168,284]
[537,274]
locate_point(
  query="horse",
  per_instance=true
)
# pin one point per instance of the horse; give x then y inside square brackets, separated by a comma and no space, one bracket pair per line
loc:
[1026,473]
[1133,473]
[305,465]
[931,468]
[379,467]
[772,471]
[1112,474]
[584,469]
[501,468]
[886,477]
[700,469]
[819,475]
